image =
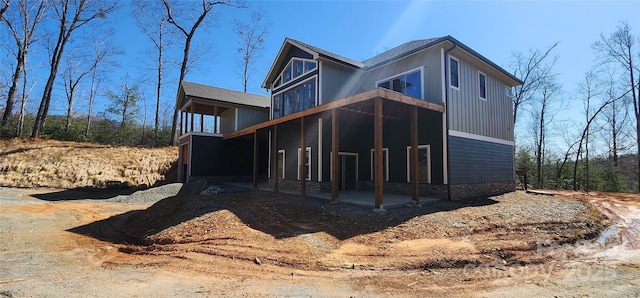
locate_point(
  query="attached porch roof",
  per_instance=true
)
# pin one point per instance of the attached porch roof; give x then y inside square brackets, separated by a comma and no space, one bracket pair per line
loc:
[204,95]
[355,103]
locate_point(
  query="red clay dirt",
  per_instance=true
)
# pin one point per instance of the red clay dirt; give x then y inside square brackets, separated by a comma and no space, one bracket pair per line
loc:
[271,244]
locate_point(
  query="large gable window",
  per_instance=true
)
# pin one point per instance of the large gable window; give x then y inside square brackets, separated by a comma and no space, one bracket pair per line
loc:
[408,83]
[295,99]
[294,69]
[454,75]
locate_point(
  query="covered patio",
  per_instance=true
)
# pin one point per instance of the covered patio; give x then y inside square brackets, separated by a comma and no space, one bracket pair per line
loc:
[377,106]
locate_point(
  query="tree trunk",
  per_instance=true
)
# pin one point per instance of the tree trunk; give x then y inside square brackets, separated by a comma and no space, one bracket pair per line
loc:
[158,89]
[67,126]
[92,95]
[14,87]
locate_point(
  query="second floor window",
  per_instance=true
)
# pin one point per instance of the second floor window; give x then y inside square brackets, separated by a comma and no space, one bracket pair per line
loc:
[482,83]
[454,76]
[294,69]
[409,84]
[295,99]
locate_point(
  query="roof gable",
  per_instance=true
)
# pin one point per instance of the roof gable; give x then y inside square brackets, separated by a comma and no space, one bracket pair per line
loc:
[189,89]
[398,52]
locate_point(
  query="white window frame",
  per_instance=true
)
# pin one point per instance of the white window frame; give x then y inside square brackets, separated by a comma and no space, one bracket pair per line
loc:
[508,91]
[281,92]
[385,154]
[284,162]
[428,147]
[449,62]
[480,86]
[308,149]
[289,65]
[421,69]
[341,153]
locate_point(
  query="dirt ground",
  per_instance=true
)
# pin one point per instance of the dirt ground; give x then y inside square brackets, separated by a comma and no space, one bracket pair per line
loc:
[260,244]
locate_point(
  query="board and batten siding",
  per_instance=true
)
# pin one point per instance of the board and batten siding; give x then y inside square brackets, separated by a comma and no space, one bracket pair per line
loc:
[428,59]
[469,113]
[475,161]
[250,116]
[336,82]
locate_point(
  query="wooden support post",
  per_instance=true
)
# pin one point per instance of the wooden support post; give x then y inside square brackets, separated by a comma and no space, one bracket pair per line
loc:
[255,160]
[201,122]
[303,160]
[334,155]
[181,122]
[192,109]
[377,140]
[275,158]
[413,163]
[215,119]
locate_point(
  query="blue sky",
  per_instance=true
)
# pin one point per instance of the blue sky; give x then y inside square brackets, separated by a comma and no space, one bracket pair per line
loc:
[361,29]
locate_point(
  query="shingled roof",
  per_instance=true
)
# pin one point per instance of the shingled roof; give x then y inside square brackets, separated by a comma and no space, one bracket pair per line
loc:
[399,51]
[328,54]
[189,89]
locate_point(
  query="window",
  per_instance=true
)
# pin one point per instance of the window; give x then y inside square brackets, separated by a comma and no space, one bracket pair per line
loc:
[277,106]
[424,163]
[294,69]
[307,163]
[295,99]
[482,83]
[297,68]
[409,83]
[454,76]
[281,163]
[508,92]
[385,164]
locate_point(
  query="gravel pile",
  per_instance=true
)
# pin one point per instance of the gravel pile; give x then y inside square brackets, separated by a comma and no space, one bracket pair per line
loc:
[151,195]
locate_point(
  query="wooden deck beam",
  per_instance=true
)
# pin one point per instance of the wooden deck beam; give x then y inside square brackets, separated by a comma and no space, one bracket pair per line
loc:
[413,163]
[334,154]
[357,98]
[275,158]
[255,160]
[377,145]
[303,159]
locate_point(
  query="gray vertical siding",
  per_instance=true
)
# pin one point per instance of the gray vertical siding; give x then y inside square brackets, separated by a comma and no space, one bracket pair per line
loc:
[474,161]
[338,81]
[468,113]
[227,121]
[251,116]
[335,82]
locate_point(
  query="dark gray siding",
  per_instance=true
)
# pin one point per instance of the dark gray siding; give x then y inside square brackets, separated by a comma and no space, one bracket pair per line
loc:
[474,161]
[213,156]
[289,141]
[468,113]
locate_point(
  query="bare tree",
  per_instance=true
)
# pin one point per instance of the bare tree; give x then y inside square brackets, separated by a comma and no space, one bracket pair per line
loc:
[22,25]
[23,101]
[533,69]
[188,33]
[71,14]
[616,130]
[102,49]
[620,49]
[5,6]
[124,105]
[153,20]
[543,112]
[251,42]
